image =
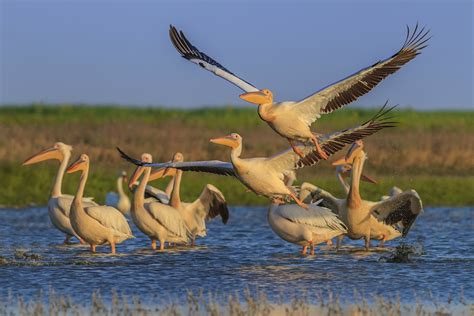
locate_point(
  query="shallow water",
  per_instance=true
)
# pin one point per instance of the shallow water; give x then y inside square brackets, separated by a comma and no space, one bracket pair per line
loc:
[245,253]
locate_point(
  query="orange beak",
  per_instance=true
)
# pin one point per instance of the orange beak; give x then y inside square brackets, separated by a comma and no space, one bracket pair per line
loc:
[226,141]
[77,165]
[257,97]
[367,178]
[162,173]
[134,178]
[47,154]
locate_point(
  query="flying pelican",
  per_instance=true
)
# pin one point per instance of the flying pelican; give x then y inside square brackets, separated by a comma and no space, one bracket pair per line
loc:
[98,224]
[265,176]
[382,220]
[156,220]
[59,204]
[120,201]
[292,120]
[304,228]
[210,204]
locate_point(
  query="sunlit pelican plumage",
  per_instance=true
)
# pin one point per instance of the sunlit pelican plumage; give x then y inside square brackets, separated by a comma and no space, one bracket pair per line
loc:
[120,199]
[210,204]
[59,204]
[265,176]
[292,120]
[372,220]
[156,220]
[98,224]
[304,228]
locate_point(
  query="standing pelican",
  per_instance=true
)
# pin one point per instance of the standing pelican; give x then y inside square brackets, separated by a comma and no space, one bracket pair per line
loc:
[372,220]
[156,220]
[211,203]
[292,120]
[265,176]
[120,199]
[98,224]
[59,204]
[304,228]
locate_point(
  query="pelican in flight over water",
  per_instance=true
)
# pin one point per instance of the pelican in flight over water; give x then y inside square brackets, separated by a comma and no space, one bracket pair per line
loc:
[304,228]
[120,199]
[265,176]
[98,224]
[382,220]
[292,120]
[59,204]
[157,220]
[210,204]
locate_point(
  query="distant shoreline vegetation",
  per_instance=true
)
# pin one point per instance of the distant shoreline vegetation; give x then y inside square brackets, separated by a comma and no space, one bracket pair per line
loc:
[430,151]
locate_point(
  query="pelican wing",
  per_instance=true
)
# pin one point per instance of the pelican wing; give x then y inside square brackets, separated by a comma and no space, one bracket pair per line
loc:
[349,89]
[169,218]
[213,203]
[211,166]
[157,194]
[332,143]
[109,217]
[311,194]
[64,203]
[402,209]
[315,216]
[191,53]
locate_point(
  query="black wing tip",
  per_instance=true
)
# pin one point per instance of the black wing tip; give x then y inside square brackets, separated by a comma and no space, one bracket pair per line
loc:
[416,39]
[126,157]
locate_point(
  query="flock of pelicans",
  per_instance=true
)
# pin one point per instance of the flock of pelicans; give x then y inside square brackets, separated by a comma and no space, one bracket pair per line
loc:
[316,217]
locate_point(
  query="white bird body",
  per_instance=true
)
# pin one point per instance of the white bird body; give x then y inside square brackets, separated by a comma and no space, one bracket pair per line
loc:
[304,227]
[100,224]
[59,204]
[119,200]
[156,220]
[210,204]
[292,120]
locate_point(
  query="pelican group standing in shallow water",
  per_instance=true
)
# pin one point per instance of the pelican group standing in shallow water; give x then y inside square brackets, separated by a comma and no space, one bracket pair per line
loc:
[97,224]
[120,199]
[59,204]
[292,120]
[210,204]
[159,221]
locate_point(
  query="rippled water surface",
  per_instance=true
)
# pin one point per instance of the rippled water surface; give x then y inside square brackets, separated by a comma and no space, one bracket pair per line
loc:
[245,253]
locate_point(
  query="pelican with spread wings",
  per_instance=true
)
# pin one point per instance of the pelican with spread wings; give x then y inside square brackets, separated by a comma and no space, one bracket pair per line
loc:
[292,120]
[265,175]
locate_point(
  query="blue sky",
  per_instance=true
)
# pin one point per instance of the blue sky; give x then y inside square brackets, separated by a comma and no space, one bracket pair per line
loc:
[119,52]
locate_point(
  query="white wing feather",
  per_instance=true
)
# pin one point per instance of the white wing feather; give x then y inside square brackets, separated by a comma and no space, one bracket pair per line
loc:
[109,217]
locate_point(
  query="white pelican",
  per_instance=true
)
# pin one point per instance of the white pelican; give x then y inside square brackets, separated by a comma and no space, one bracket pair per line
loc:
[304,228]
[120,199]
[156,220]
[98,224]
[371,220]
[265,176]
[210,204]
[292,120]
[59,204]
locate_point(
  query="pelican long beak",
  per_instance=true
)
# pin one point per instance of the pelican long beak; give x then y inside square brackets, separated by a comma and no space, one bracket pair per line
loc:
[77,165]
[367,178]
[134,178]
[339,162]
[47,154]
[226,141]
[162,173]
[257,97]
